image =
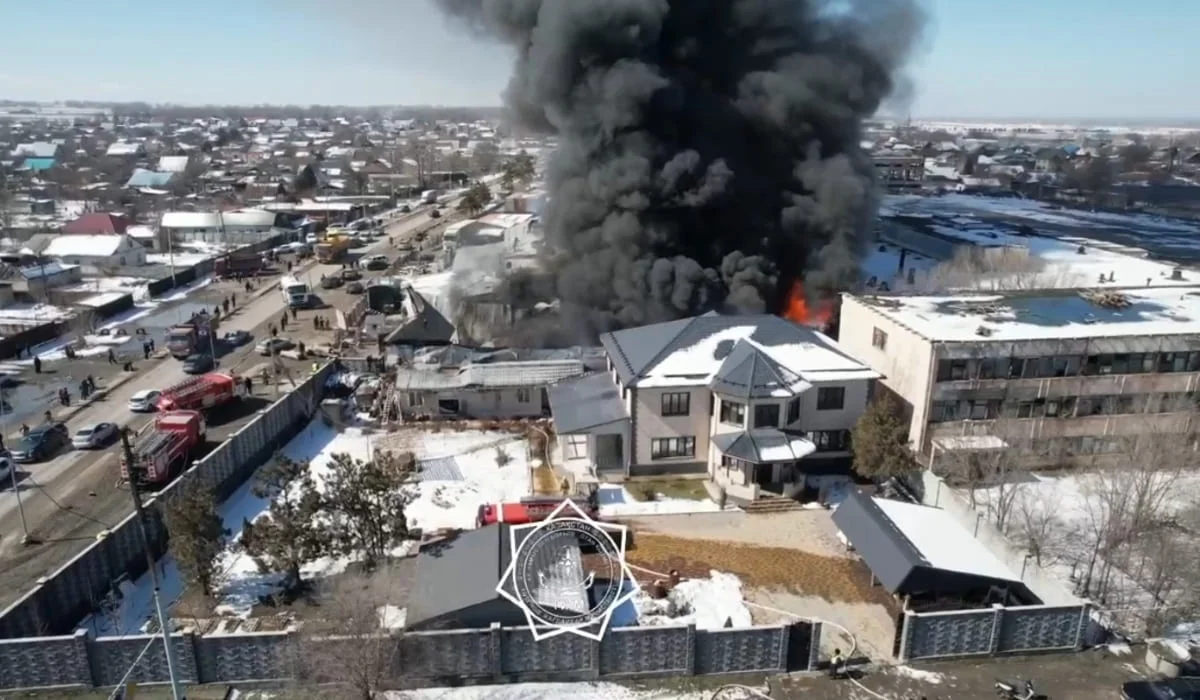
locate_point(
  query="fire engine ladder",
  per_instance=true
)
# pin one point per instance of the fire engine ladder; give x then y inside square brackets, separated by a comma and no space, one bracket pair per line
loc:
[153,443]
[186,389]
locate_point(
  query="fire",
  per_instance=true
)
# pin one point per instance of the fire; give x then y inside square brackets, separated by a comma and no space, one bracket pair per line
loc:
[799,310]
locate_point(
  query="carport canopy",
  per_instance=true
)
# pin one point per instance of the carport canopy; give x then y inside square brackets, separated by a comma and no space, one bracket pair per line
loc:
[916,549]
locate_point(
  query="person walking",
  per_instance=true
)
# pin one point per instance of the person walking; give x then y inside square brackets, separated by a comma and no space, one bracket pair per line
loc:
[283,321]
[249,384]
[37,364]
[145,351]
[295,313]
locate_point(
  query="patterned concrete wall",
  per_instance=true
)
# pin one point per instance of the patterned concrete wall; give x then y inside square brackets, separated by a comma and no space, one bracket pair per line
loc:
[423,658]
[999,630]
[69,594]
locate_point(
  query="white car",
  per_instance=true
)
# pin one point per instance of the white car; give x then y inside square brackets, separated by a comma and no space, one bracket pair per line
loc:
[92,436]
[144,401]
[312,239]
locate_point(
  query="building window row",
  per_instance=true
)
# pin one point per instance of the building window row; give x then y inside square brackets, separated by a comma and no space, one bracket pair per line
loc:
[673,447]
[1061,407]
[676,403]
[1067,366]
[830,440]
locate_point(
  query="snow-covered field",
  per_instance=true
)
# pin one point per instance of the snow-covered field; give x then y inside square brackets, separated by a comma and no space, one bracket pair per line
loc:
[460,473]
[547,691]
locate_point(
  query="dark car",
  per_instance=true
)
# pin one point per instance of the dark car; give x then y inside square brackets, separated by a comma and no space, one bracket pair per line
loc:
[405,209]
[236,339]
[435,214]
[331,281]
[355,287]
[350,274]
[379,262]
[198,364]
[41,443]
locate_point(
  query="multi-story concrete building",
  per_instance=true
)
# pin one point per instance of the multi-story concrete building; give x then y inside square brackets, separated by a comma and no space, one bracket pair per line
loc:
[756,402]
[1067,373]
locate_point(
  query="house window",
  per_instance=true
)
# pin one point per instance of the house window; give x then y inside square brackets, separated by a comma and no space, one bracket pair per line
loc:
[793,413]
[830,440]
[766,415]
[670,448]
[733,413]
[415,399]
[523,395]
[676,403]
[831,398]
[879,339]
[576,446]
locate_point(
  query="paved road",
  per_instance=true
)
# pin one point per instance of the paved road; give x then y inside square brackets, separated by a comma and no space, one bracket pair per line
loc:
[69,500]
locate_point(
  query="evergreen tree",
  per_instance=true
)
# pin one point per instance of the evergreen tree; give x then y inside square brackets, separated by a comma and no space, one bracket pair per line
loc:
[197,536]
[879,441]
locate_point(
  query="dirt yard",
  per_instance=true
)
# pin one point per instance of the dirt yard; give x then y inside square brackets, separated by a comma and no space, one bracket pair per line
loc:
[791,565]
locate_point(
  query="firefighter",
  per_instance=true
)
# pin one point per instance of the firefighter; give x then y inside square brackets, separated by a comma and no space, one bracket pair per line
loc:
[37,364]
[283,321]
[249,383]
[315,368]
[225,306]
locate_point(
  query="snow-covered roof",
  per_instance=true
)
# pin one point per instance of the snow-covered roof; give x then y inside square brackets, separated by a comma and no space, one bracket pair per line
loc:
[942,541]
[85,245]
[242,218]
[1045,315]
[172,164]
[123,148]
[765,355]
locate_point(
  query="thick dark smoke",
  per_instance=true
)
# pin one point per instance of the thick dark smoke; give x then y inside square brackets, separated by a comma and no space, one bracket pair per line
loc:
[708,149]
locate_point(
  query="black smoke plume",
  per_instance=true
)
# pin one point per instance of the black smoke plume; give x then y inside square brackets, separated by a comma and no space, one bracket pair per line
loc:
[708,150]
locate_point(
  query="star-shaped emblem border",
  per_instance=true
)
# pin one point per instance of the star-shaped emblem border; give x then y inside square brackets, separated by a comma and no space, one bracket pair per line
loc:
[595,627]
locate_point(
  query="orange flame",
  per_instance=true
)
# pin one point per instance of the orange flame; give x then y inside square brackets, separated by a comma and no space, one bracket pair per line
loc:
[798,309]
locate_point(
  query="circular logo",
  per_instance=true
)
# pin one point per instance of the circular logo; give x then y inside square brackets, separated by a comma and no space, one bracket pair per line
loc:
[552,580]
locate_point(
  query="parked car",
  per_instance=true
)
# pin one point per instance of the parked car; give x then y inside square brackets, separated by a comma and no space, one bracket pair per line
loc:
[355,287]
[236,339]
[405,209]
[6,471]
[198,363]
[42,442]
[144,401]
[350,274]
[435,214]
[312,239]
[377,262]
[92,436]
[272,346]
[331,281]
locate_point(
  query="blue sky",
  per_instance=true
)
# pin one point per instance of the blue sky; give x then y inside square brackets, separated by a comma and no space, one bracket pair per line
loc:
[982,58]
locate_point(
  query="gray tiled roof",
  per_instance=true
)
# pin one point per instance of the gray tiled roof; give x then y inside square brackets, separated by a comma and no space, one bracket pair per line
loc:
[752,445]
[636,351]
[749,374]
[578,405]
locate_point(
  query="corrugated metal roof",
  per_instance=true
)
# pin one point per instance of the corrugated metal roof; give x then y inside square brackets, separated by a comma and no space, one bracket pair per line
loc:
[491,375]
[578,405]
[148,178]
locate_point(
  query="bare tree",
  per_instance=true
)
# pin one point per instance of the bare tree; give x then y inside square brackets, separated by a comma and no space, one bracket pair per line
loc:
[1006,268]
[994,471]
[350,650]
[1037,525]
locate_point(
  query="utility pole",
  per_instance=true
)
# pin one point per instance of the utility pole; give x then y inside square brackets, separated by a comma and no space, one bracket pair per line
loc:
[163,621]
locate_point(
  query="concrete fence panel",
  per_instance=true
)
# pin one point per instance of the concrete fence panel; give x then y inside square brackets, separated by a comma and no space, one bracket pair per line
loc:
[741,650]
[229,658]
[112,657]
[565,657]
[45,662]
[999,630]
[451,653]
[648,651]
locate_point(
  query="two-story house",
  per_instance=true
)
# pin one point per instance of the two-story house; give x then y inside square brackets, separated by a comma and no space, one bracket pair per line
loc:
[756,402]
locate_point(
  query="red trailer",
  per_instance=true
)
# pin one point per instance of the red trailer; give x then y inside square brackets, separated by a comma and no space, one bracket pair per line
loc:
[528,510]
[161,454]
[202,393]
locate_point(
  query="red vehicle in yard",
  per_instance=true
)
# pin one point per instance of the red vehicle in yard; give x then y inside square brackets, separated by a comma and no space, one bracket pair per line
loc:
[160,455]
[195,335]
[202,393]
[529,510]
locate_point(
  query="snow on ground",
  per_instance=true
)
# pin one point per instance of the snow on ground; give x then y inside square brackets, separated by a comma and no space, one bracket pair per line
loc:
[135,609]
[615,501]
[25,314]
[392,617]
[707,603]
[178,259]
[461,472]
[918,674]
[547,691]
[53,350]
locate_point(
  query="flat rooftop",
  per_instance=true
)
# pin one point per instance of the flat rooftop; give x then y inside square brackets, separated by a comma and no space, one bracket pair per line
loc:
[1045,315]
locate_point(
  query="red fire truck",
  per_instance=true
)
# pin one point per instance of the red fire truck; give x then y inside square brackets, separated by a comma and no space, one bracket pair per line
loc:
[529,510]
[160,455]
[202,393]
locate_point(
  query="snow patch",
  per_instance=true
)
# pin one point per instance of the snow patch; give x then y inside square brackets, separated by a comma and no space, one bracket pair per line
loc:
[547,691]
[708,603]
[615,502]
[919,674]
[392,617]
